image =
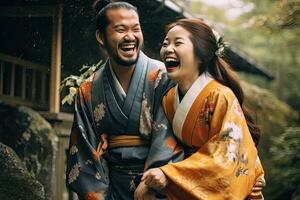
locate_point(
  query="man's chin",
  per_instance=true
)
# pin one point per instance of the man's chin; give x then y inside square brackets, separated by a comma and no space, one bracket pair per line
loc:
[127,62]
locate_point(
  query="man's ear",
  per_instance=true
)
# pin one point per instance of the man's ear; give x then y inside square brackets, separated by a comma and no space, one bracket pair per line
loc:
[100,38]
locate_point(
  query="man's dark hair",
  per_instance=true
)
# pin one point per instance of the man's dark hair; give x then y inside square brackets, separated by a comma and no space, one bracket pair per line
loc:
[102,6]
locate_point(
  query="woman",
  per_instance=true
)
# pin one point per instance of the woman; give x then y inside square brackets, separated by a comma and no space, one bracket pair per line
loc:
[207,114]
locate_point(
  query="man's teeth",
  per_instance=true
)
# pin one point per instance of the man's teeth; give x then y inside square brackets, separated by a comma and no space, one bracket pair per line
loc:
[128,46]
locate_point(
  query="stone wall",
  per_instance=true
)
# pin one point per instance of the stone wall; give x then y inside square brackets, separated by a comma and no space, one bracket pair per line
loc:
[33,140]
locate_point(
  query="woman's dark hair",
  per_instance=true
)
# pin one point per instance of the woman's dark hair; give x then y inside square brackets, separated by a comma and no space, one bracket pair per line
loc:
[102,6]
[205,47]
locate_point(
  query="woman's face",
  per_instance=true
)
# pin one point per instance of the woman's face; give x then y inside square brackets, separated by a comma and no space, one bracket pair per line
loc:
[177,52]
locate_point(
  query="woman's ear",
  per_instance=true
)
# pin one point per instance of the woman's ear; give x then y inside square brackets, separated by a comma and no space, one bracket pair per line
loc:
[200,61]
[100,38]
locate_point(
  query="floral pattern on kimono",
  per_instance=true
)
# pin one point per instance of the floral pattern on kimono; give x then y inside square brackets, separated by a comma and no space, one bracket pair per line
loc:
[224,165]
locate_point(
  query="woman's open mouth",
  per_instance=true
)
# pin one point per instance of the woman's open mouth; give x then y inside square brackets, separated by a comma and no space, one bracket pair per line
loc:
[171,64]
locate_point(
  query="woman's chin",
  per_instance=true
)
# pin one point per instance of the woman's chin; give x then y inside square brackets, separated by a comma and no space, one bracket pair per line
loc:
[172,75]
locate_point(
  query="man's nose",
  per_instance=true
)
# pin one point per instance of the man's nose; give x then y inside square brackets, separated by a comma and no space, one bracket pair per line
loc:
[129,36]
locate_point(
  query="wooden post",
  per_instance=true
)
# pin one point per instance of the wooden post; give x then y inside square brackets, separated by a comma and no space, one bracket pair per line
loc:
[23,90]
[33,86]
[43,87]
[56,61]
[12,80]
[1,77]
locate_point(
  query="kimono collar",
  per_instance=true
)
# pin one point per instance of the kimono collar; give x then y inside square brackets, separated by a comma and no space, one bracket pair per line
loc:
[119,88]
[182,108]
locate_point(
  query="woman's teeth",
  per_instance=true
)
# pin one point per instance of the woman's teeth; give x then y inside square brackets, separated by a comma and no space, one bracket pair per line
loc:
[171,60]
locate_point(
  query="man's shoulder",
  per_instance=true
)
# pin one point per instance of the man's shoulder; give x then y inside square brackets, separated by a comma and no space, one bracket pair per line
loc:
[156,64]
[95,76]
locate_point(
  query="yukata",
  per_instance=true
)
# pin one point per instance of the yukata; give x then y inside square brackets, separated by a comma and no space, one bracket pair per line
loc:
[222,160]
[116,136]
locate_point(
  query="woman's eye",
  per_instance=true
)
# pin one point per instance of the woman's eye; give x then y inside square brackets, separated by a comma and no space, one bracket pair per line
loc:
[178,43]
[164,44]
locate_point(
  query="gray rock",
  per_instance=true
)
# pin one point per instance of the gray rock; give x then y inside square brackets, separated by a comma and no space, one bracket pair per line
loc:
[34,141]
[16,183]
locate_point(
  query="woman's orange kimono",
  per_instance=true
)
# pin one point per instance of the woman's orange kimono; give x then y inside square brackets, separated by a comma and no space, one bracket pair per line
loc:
[225,164]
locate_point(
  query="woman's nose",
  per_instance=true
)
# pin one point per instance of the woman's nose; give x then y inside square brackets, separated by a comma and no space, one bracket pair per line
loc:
[169,49]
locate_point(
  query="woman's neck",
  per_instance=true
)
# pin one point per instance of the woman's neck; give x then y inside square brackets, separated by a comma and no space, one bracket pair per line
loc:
[185,85]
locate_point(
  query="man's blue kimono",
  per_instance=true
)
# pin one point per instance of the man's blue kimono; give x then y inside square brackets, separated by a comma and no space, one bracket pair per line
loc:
[116,136]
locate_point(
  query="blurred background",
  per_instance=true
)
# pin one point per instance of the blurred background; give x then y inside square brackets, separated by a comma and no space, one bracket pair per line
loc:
[43,42]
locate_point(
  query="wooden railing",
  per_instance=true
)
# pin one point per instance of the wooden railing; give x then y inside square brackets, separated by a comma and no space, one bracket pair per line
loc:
[24,82]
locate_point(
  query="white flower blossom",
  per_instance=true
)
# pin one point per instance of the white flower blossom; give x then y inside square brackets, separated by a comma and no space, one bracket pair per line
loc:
[237,108]
[235,132]
[98,176]
[87,162]
[231,152]
[99,112]
[158,79]
[73,150]
[74,173]
[145,118]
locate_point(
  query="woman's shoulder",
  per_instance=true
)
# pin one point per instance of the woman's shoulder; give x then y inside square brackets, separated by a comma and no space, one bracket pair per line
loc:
[220,90]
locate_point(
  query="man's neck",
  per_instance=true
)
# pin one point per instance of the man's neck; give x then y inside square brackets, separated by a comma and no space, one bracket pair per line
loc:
[123,74]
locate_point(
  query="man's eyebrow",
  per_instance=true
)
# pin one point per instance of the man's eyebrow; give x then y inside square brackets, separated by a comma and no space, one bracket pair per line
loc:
[119,25]
[123,25]
[137,24]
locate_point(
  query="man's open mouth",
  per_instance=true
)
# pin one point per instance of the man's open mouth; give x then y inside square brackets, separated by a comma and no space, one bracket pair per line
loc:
[128,47]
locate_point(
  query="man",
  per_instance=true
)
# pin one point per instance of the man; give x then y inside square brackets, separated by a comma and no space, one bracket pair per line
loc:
[119,127]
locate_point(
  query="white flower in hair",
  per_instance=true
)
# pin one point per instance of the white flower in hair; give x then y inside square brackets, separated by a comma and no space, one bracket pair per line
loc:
[221,45]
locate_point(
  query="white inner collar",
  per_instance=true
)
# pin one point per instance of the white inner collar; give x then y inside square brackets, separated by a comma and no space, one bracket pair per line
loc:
[116,82]
[182,108]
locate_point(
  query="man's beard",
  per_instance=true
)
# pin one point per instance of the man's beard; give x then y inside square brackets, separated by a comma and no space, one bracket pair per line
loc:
[118,59]
[126,63]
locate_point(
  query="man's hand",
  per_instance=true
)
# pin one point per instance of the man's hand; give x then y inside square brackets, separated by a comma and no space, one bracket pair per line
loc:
[143,192]
[155,178]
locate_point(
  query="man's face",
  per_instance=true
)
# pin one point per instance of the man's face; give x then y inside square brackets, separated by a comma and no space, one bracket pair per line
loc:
[123,38]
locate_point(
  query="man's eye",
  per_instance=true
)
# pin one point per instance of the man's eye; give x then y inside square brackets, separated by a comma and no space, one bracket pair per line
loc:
[136,30]
[120,30]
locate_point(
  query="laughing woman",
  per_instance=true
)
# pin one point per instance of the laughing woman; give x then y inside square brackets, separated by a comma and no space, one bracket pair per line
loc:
[208,117]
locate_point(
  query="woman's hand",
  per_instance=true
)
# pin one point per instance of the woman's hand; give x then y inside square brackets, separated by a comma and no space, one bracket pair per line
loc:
[155,178]
[143,192]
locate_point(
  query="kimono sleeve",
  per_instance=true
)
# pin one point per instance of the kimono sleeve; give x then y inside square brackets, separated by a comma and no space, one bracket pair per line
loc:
[86,169]
[224,167]
[164,148]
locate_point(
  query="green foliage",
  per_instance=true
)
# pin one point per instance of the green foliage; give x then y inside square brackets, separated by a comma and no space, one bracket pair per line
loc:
[272,116]
[277,15]
[72,82]
[269,34]
[285,176]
